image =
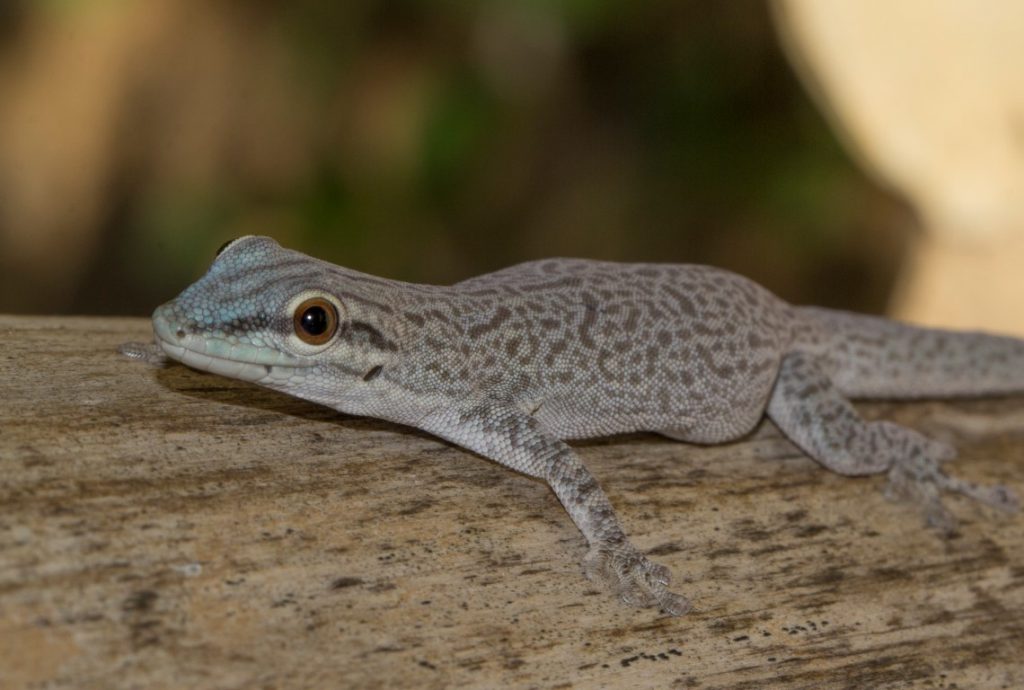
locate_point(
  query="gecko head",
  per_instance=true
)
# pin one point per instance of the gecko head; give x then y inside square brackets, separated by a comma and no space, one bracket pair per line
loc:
[276,317]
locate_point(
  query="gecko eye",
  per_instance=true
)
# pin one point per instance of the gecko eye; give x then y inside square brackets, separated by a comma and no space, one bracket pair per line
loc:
[316,321]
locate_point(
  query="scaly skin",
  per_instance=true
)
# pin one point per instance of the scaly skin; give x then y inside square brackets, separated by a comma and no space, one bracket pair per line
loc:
[513,363]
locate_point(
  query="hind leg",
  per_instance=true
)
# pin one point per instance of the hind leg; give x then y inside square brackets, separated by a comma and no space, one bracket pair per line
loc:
[812,412]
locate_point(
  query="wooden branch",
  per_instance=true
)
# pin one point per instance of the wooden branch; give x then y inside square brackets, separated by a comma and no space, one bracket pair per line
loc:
[161,527]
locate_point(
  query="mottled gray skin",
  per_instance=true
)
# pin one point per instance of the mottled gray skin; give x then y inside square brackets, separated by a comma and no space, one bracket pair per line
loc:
[511,364]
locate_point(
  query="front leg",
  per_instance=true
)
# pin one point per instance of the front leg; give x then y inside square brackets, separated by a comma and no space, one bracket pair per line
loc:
[150,353]
[515,439]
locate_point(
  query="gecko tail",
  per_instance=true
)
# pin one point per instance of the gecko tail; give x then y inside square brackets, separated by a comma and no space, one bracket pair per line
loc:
[875,357]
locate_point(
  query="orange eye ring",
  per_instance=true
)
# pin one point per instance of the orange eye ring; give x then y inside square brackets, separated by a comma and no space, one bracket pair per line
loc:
[315,320]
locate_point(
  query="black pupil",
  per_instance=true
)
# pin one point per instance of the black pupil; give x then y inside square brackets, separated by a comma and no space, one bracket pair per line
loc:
[314,320]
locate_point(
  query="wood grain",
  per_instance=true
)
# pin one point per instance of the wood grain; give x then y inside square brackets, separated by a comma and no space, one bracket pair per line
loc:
[165,528]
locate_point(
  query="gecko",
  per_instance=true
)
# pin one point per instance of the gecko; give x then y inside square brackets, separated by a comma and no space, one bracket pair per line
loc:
[513,364]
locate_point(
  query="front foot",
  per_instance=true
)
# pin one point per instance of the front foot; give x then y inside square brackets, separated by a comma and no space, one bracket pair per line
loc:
[921,481]
[633,578]
[150,353]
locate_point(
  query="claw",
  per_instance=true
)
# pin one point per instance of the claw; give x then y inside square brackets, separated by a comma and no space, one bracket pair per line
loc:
[660,574]
[673,604]
[922,482]
[997,495]
[636,580]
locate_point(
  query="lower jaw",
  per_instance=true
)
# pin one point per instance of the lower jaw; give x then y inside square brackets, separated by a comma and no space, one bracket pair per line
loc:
[244,371]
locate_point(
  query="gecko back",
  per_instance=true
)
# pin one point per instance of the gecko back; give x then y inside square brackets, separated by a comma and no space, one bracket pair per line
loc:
[688,351]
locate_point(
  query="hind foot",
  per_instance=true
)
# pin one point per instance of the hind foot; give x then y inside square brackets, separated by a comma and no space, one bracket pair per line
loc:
[920,479]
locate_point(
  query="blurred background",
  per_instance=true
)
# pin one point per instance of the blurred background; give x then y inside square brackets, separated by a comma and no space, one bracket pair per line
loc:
[434,140]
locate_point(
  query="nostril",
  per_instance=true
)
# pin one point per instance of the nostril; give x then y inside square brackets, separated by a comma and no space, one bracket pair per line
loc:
[180,333]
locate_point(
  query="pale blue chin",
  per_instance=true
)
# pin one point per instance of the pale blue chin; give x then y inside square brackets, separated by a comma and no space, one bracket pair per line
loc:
[226,356]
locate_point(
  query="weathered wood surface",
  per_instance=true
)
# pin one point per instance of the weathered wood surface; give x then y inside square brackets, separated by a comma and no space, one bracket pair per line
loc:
[164,528]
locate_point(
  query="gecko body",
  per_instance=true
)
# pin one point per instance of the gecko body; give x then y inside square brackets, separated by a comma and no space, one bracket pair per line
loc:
[512,364]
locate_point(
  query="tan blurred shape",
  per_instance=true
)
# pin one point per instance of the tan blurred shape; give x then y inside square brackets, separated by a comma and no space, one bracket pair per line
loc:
[102,97]
[60,92]
[929,94]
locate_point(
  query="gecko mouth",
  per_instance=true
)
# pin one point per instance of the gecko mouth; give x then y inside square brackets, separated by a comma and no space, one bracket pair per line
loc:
[218,355]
